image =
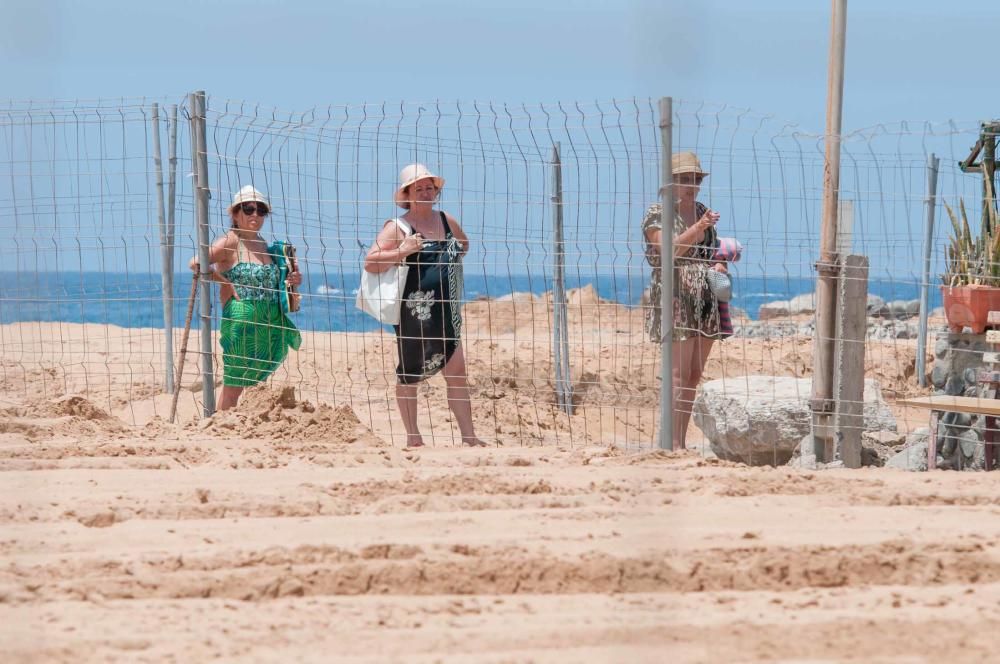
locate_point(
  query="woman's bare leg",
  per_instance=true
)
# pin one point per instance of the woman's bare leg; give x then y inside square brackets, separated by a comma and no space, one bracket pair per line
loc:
[406,399]
[230,397]
[459,398]
[689,357]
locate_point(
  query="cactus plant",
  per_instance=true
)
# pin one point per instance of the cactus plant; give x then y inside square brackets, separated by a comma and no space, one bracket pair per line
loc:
[974,260]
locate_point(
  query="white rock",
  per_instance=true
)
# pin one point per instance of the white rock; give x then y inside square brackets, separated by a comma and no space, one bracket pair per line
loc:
[802,304]
[760,420]
[913,457]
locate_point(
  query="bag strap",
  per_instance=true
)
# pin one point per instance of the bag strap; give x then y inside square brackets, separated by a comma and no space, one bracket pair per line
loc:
[444,222]
[405,227]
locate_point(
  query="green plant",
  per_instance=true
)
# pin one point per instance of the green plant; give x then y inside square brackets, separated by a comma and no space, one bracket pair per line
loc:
[974,260]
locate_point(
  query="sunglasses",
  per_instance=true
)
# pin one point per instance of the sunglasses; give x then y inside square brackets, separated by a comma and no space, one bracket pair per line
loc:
[254,208]
[688,178]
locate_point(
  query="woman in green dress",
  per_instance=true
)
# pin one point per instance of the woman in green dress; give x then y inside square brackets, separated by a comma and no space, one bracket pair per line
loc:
[255,333]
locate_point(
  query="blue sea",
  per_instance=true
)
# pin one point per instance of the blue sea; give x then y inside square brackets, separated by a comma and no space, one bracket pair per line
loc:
[135,300]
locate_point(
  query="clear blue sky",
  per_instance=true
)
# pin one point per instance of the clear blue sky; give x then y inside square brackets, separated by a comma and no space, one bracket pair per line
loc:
[913,60]
[907,59]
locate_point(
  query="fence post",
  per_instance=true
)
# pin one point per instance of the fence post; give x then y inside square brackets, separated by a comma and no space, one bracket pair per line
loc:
[560,318]
[172,174]
[166,261]
[828,266]
[666,302]
[172,196]
[172,181]
[849,380]
[199,159]
[925,283]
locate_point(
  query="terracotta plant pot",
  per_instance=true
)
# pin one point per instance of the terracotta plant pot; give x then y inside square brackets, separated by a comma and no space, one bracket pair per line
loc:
[969,306]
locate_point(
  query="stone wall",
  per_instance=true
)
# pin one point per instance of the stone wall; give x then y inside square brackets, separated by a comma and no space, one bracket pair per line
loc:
[958,358]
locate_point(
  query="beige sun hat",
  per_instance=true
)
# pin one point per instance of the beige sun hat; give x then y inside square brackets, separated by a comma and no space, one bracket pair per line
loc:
[411,174]
[686,162]
[248,195]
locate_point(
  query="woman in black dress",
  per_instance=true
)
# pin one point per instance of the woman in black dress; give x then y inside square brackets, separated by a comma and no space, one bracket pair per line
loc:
[428,337]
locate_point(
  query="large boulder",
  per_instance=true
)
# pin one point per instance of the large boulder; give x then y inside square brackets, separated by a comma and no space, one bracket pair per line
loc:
[760,420]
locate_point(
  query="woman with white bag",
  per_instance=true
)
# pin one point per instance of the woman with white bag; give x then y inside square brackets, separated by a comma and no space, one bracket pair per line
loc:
[431,244]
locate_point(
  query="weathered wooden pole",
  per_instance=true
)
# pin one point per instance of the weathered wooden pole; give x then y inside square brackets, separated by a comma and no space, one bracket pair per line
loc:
[828,266]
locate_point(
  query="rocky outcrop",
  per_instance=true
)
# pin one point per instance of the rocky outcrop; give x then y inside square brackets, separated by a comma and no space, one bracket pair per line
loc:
[806,304]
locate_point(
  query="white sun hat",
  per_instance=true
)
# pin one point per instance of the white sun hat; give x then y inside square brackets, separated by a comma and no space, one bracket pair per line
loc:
[248,195]
[411,174]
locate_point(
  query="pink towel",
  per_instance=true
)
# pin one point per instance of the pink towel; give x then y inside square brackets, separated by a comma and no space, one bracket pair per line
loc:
[729,250]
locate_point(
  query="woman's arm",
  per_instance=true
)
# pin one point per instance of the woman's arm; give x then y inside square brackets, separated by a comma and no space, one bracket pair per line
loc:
[221,255]
[456,230]
[391,247]
[685,241]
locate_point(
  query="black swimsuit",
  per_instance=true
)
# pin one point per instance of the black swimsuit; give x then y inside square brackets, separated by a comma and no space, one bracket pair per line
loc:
[430,318]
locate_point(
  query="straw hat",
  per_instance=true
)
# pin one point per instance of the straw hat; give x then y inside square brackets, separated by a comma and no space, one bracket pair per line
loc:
[686,162]
[248,195]
[408,176]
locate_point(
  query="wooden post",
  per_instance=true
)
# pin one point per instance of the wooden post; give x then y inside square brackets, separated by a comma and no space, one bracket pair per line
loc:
[828,266]
[932,440]
[989,168]
[990,379]
[849,384]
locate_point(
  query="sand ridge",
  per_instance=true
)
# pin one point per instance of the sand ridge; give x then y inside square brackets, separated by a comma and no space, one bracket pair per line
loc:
[297,527]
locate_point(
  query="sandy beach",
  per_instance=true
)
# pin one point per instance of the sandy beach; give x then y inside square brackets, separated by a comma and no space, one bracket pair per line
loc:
[298,528]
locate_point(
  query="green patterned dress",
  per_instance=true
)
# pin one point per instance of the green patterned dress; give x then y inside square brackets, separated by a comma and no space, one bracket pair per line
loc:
[696,311]
[255,335]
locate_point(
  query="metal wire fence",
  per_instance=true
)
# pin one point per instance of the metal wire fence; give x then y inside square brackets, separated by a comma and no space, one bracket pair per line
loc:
[83,302]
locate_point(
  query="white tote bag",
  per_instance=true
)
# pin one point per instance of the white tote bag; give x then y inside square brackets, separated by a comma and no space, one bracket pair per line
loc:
[380,295]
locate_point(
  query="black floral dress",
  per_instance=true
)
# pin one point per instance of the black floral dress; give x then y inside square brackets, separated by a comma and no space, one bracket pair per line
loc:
[430,318]
[696,311]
